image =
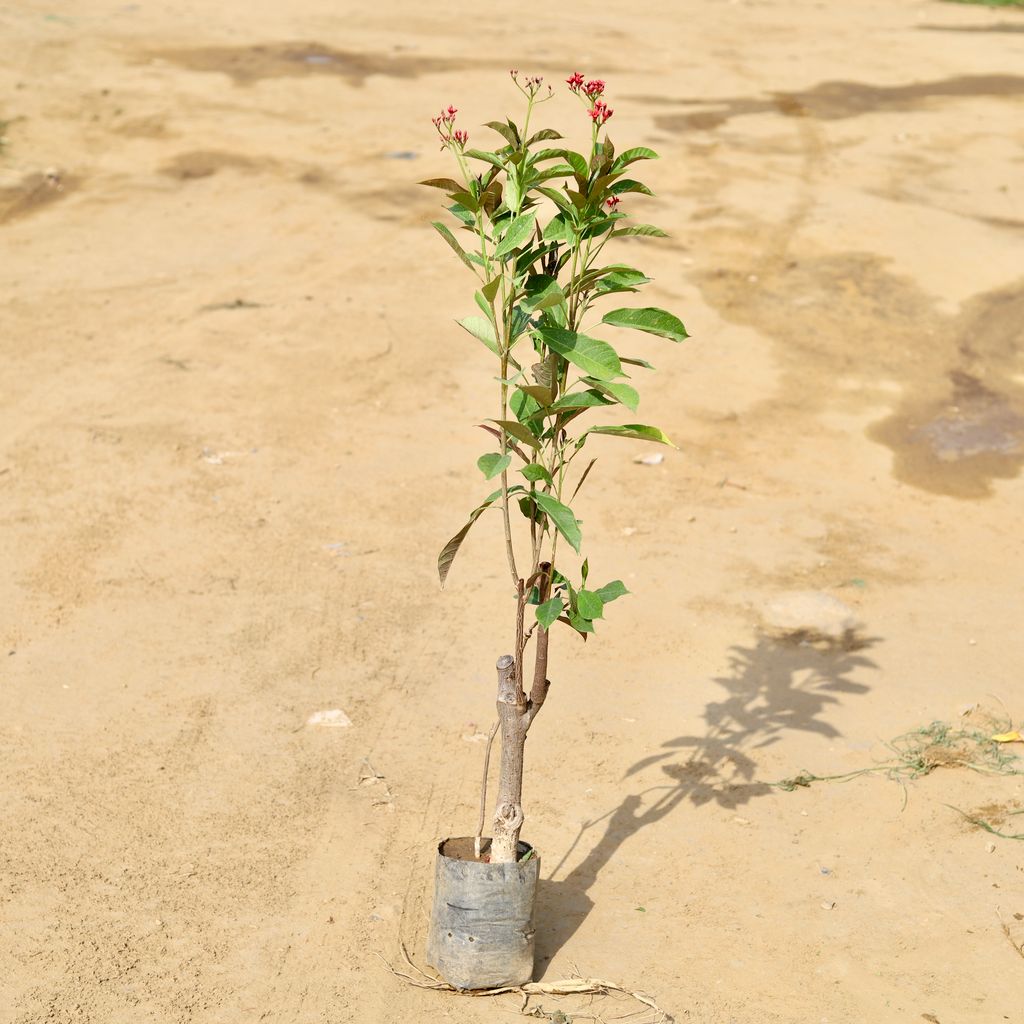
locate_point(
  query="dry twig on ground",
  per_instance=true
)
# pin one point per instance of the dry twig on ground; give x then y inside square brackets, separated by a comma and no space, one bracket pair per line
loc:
[577,986]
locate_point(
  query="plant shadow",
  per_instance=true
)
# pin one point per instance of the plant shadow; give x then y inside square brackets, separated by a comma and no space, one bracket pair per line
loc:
[778,684]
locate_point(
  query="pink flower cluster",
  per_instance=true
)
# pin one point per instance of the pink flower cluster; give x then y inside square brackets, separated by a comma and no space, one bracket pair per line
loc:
[593,90]
[444,123]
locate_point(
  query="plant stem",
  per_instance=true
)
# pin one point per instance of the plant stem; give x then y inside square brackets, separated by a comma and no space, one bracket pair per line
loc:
[508,815]
[483,788]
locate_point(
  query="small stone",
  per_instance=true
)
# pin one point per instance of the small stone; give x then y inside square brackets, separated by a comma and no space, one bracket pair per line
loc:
[828,905]
[811,612]
[990,847]
[333,718]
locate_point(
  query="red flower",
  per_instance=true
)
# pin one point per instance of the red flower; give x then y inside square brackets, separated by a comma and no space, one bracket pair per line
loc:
[574,81]
[461,137]
[443,123]
[600,112]
[594,88]
[612,202]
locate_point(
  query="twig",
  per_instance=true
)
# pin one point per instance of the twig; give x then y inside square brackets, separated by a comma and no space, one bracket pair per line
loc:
[578,986]
[483,789]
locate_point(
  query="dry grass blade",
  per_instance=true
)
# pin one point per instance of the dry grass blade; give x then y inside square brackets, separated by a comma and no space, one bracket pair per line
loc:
[921,751]
[578,986]
[1018,947]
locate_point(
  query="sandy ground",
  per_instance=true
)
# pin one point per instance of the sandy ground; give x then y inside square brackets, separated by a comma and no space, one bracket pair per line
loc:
[237,425]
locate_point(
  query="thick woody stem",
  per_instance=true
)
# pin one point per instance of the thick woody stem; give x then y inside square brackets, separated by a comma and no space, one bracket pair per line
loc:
[512,714]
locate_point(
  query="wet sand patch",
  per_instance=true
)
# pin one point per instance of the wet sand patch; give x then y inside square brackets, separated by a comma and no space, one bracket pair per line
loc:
[33,193]
[833,101]
[248,64]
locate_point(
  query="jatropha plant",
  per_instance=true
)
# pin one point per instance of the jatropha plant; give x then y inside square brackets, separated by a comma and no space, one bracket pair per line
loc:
[535,220]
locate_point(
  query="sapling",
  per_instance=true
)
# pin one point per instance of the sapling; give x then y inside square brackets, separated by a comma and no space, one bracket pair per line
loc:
[535,218]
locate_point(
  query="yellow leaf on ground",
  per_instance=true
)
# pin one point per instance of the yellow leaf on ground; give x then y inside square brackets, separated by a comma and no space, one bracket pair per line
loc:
[1009,737]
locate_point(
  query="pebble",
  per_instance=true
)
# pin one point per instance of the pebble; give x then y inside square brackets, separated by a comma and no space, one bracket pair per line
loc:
[809,611]
[332,718]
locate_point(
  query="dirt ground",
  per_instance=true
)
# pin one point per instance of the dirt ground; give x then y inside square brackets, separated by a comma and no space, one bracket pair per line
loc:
[237,426]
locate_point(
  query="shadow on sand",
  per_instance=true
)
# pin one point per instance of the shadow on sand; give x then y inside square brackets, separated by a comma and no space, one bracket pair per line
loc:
[774,686]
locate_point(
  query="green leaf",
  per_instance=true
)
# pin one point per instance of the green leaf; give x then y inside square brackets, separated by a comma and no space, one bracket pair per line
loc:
[636,362]
[649,319]
[534,472]
[459,212]
[580,624]
[490,198]
[484,307]
[517,235]
[547,154]
[520,321]
[557,229]
[525,406]
[578,400]
[629,185]
[558,198]
[509,444]
[596,358]
[590,604]
[451,549]
[492,464]
[518,431]
[446,234]
[467,199]
[621,281]
[639,431]
[542,292]
[639,229]
[505,131]
[624,393]
[491,288]
[557,171]
[481,329]
[632,155]
[540,394]
[610,591]
[542,136]
[491,158]
[513,193]
[578,162]
[445,184]
[549,611]
[563,518]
